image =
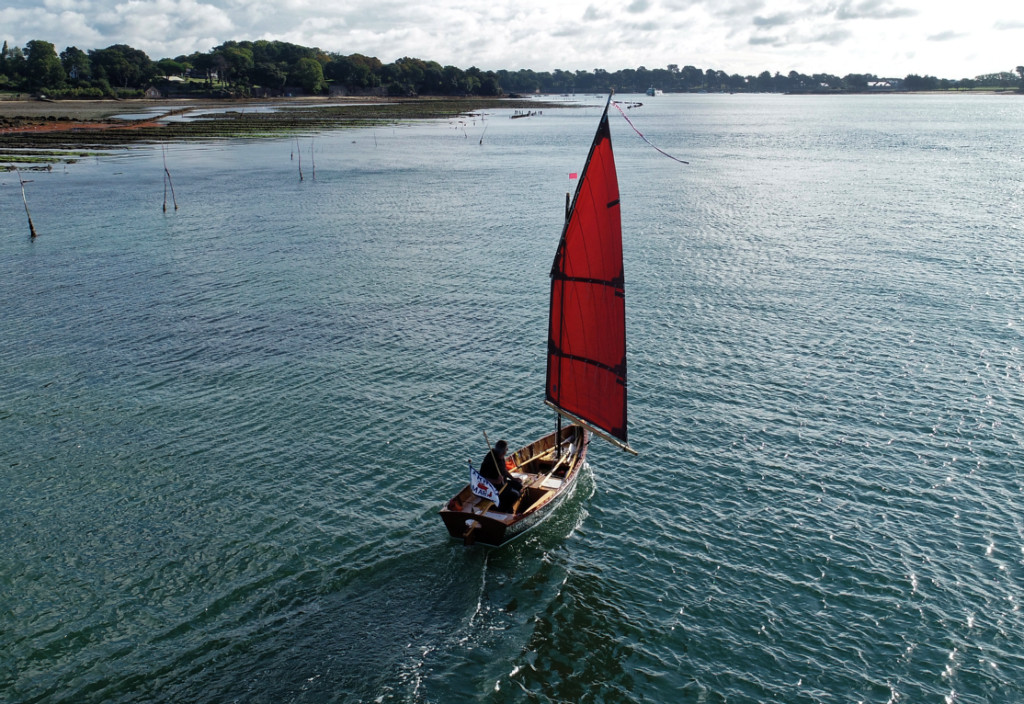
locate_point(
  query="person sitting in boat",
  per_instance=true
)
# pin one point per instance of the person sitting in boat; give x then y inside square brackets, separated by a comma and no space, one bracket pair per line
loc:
[493,470]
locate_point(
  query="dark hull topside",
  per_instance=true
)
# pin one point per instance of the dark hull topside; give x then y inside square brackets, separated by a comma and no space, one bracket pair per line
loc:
[547,482]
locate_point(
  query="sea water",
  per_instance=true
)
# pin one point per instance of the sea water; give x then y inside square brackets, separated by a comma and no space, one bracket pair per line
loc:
[226,429]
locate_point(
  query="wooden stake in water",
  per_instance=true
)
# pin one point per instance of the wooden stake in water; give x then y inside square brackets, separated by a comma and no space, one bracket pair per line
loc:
[299,150]
[312,157]
[168,181]
[31,227]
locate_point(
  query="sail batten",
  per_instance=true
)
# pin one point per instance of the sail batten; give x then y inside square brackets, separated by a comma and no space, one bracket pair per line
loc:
[618,371]
[586,372]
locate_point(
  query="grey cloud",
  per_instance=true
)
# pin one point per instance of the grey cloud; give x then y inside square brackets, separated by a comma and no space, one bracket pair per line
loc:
[676,5]
[832,37]
[718,8]
[872,10]
[572,30]
[638,6]
[742,8]
[946,36]
[782,18]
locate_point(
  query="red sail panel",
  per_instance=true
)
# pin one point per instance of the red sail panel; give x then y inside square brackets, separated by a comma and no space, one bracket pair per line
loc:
[586,374]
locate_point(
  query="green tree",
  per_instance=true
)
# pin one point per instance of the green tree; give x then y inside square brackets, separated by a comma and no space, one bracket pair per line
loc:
[42,67]
[234,62]
[915,82]
[692,78]
[452,78]
[270,74]
[15,66]
[76,64]
[122,66]
[14,63]
[309,74]
[170,67]
[826,82]
[202,65]
[490,86]
[356,72]
[857,82]
[404,76]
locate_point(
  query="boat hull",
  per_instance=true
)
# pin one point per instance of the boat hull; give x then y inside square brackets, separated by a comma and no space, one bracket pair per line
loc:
[549,478]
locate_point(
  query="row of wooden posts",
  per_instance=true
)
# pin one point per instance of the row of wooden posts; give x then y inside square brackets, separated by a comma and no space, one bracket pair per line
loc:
[168,183]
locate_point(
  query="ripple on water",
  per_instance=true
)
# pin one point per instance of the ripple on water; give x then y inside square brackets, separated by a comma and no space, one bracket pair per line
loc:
[226,431]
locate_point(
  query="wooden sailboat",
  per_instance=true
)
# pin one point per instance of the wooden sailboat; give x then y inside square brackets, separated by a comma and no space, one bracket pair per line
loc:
[586,366]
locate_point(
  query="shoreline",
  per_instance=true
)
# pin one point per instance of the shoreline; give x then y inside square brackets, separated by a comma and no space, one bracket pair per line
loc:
[106,108]
[47,127]
[34,132]
[102,110]
[99,110]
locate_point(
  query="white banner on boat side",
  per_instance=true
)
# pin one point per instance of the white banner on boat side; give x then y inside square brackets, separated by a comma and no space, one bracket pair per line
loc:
[481,487]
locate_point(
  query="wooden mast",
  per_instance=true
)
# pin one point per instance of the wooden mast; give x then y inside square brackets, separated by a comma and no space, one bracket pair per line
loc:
[558,424]
[588,270]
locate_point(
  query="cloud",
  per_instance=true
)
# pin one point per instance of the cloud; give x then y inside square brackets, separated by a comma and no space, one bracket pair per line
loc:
[60,5]
[871,10]
[735,8]
[649,26]
[946,36]
[738,36]
[681,5]
[783,18]
[832,37]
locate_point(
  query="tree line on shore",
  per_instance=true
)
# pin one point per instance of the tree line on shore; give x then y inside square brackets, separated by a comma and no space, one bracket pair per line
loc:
[268,68]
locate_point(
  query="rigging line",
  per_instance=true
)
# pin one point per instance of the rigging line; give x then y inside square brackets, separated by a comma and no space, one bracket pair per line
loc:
[660,151]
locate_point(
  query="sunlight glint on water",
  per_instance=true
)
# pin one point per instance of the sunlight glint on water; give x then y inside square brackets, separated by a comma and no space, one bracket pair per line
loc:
[225,431]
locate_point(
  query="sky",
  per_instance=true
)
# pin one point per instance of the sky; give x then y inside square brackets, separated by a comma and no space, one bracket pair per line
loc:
[889,38]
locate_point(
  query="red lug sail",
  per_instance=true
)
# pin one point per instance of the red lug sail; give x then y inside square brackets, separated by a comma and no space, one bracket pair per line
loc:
[586,373]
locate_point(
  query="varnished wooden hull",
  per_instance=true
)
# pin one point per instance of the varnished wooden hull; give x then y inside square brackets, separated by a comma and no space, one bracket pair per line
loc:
[546,485]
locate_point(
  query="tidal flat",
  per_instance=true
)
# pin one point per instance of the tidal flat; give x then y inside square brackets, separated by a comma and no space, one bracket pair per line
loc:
[28,127]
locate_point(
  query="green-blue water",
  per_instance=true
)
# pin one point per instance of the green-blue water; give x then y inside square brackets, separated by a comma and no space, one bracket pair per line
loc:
[225,431]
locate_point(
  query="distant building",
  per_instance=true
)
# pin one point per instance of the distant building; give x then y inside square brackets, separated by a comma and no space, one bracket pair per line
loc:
[886,84]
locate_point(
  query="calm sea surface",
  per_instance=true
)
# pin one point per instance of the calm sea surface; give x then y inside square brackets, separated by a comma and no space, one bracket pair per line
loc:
[225,431]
